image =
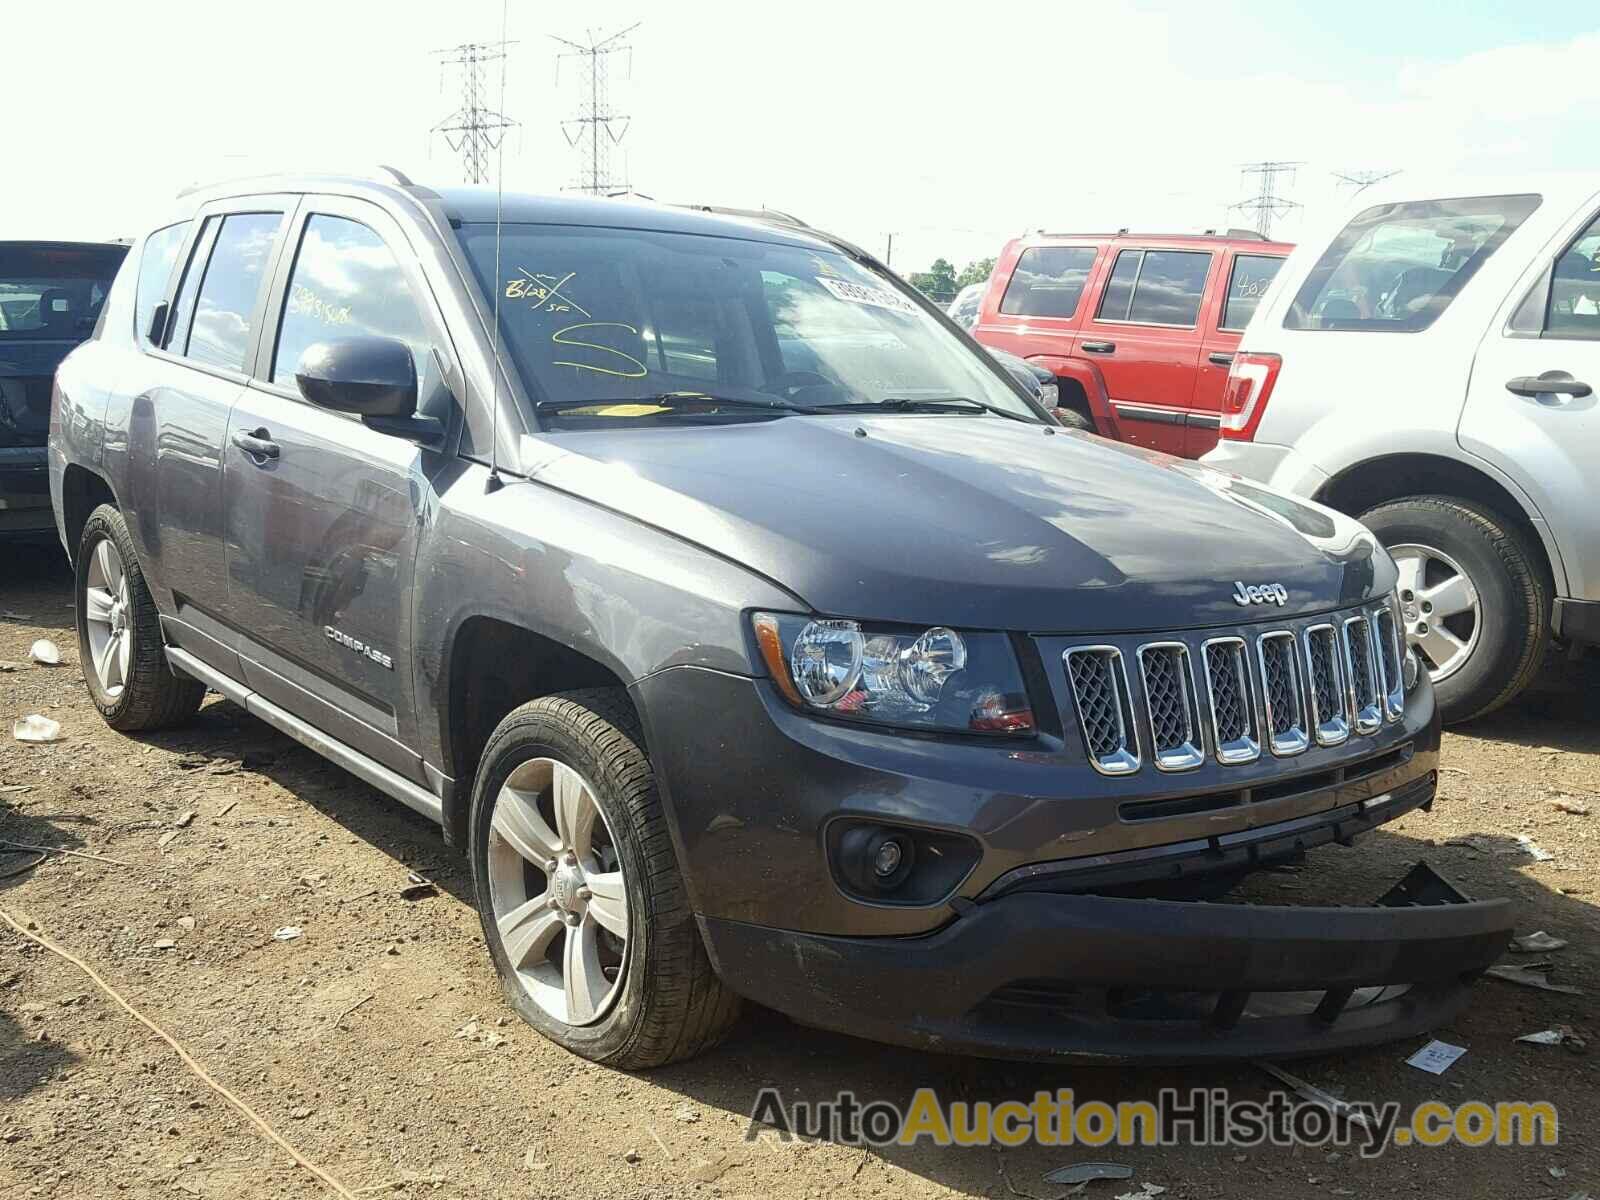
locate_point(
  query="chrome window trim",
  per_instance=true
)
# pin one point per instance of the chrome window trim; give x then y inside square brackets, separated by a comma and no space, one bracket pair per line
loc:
[1330,729]
[1367,719]
[1240,750]
[1295,741]
[1126,761]
[1193,751]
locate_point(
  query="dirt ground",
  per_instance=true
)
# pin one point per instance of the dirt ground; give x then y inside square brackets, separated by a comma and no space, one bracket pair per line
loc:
[346,1039]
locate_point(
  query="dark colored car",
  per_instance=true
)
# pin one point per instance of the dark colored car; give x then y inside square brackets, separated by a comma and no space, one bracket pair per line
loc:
[50,297]
[752,634]
[1140,329]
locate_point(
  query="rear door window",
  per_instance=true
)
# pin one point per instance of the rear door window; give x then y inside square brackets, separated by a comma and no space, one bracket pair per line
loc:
[225,305]
[1395,268]
[1156,287]
[1246,285]
[1048,281]
[1574,310]
[155,272]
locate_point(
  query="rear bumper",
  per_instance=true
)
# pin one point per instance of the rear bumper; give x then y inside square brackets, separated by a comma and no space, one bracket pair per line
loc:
[1089,978]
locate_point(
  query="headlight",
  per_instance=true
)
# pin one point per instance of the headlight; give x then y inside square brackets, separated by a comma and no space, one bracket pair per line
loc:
[1050,395]
[929,679]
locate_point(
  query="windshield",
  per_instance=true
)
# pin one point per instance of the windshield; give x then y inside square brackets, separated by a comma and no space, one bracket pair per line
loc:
[628,315]
[54,292]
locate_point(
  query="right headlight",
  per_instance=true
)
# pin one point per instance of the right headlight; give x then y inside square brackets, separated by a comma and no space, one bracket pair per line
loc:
[934,679]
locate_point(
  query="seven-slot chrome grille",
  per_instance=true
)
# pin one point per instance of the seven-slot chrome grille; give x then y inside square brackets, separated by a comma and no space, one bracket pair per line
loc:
[1281,690]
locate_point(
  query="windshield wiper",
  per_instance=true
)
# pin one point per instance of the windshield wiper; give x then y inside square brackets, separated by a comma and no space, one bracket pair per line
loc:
[670,401]
[940,404]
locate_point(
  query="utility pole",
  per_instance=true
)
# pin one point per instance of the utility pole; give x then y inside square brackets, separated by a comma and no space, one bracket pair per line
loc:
[1267,203]
[1362,180]
[592,130]
[473,129]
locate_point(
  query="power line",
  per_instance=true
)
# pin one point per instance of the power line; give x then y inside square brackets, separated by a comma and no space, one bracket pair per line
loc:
[593,128]
[473,130]
[1362,180]
[1267,203]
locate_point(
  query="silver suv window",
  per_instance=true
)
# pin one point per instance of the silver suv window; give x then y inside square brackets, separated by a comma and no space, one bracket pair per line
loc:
[1574,310]
[1396,267]
[226,303]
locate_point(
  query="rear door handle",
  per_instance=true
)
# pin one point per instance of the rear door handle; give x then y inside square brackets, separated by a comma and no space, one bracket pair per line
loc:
[1220,358]
[1550,384]
[258,444]
[1098,347]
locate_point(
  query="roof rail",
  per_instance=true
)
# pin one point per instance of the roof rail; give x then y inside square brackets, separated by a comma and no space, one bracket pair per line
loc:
[775,215]
[382,173]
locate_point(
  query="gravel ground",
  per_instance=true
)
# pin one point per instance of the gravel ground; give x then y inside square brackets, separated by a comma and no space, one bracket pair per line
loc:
[348,1039]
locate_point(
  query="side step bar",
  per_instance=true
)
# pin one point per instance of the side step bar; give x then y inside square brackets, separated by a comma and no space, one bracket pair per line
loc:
[358,764]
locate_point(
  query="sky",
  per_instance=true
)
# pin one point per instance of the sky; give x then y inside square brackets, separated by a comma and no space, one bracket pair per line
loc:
[950,126]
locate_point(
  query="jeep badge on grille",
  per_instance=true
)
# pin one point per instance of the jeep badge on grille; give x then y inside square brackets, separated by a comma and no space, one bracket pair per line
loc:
[1265,593]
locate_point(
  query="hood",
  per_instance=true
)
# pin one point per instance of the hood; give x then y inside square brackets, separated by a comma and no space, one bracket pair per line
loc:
[977,522]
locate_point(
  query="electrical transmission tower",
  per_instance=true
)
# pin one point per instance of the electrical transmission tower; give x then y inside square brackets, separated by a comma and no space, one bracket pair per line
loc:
[594,127]
[1267,203]
[474,129]
[1362,180]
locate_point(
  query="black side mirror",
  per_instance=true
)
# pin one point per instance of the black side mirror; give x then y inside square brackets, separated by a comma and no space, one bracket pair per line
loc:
[367,376]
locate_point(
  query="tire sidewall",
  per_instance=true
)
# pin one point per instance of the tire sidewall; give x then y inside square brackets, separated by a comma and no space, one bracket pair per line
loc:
[1501,633]
[537,737]
[104,525]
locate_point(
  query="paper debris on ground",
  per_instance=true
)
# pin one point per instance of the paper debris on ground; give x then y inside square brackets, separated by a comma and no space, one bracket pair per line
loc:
[1083,1172]
[1436,1057]
[1146,1190]
[1569,804]
[1558,1035]
[1532,975]
[287,934]
[34,728]
[1535,851]
[45,652]
[1311,1092]
[417,887]
[1536,943]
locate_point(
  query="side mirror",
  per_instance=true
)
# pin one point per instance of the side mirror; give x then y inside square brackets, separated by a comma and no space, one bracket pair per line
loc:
[367,376]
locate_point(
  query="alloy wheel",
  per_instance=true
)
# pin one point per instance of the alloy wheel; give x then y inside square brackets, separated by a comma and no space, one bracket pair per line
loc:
[557,890]
[1439,606]
[109,616]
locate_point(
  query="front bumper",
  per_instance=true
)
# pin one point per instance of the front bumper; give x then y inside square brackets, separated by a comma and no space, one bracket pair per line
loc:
[1094,978]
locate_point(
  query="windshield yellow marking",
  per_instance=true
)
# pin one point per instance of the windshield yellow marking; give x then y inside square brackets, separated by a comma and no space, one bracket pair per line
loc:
[545,290]
[559,337]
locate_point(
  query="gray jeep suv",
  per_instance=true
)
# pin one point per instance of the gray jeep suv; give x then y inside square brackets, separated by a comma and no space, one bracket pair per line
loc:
[752,632]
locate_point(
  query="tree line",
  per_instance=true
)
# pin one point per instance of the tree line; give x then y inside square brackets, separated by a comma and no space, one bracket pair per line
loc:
[940,282]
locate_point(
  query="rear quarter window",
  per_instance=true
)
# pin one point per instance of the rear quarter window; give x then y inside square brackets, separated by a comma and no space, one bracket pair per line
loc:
[1395,268]
[1247,283]
[156,261]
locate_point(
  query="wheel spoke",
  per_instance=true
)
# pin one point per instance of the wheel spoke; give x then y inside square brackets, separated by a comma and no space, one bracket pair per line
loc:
[527,930]
[517,820]
[97,604]
[1409,564]
[1440,645]
[582,976]
[608,901]
[575,810]
[110,564]
[102,665]
[1454,595]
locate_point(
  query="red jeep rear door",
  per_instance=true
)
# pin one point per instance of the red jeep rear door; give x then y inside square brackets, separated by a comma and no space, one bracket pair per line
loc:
[1230,301]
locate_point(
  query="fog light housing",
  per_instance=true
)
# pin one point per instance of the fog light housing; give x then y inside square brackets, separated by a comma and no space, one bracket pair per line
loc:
[1410,668]
[899,865]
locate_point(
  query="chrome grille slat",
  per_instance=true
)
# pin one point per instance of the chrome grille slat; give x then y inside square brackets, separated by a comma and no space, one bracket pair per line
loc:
[1172,705]
[1386,634]
[1325,685]
[1282,696]
[1361,675]
[1229,694]
[1105,714]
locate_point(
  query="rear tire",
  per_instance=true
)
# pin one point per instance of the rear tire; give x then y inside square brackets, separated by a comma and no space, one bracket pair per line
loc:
[1509,628]
[120,650]
[659,1001]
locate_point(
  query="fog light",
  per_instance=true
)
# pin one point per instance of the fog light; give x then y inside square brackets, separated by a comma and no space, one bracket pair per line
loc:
[888,859]
[1410,668]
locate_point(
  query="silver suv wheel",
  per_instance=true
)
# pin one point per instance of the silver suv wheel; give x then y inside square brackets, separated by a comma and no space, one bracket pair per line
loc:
[1440,607]
[558,894]
[108,614]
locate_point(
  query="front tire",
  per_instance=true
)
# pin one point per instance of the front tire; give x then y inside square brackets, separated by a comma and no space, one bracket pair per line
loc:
[583,904]
[1474,596]
[120,650]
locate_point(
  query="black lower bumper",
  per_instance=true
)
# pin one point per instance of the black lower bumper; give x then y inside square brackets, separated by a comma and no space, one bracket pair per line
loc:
[24,493]
[1096,978]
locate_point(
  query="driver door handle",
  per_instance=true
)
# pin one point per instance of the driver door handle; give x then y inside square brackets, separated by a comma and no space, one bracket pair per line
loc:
[1546,387]
[258,444]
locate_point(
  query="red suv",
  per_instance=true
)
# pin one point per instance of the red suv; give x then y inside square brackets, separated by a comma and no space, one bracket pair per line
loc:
[1139,329]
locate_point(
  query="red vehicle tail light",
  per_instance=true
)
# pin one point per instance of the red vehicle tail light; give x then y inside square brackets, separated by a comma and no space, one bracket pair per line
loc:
[1245,395]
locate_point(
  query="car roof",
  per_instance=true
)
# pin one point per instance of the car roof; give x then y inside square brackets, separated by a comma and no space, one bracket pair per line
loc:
[1243,238]
[1563,188]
